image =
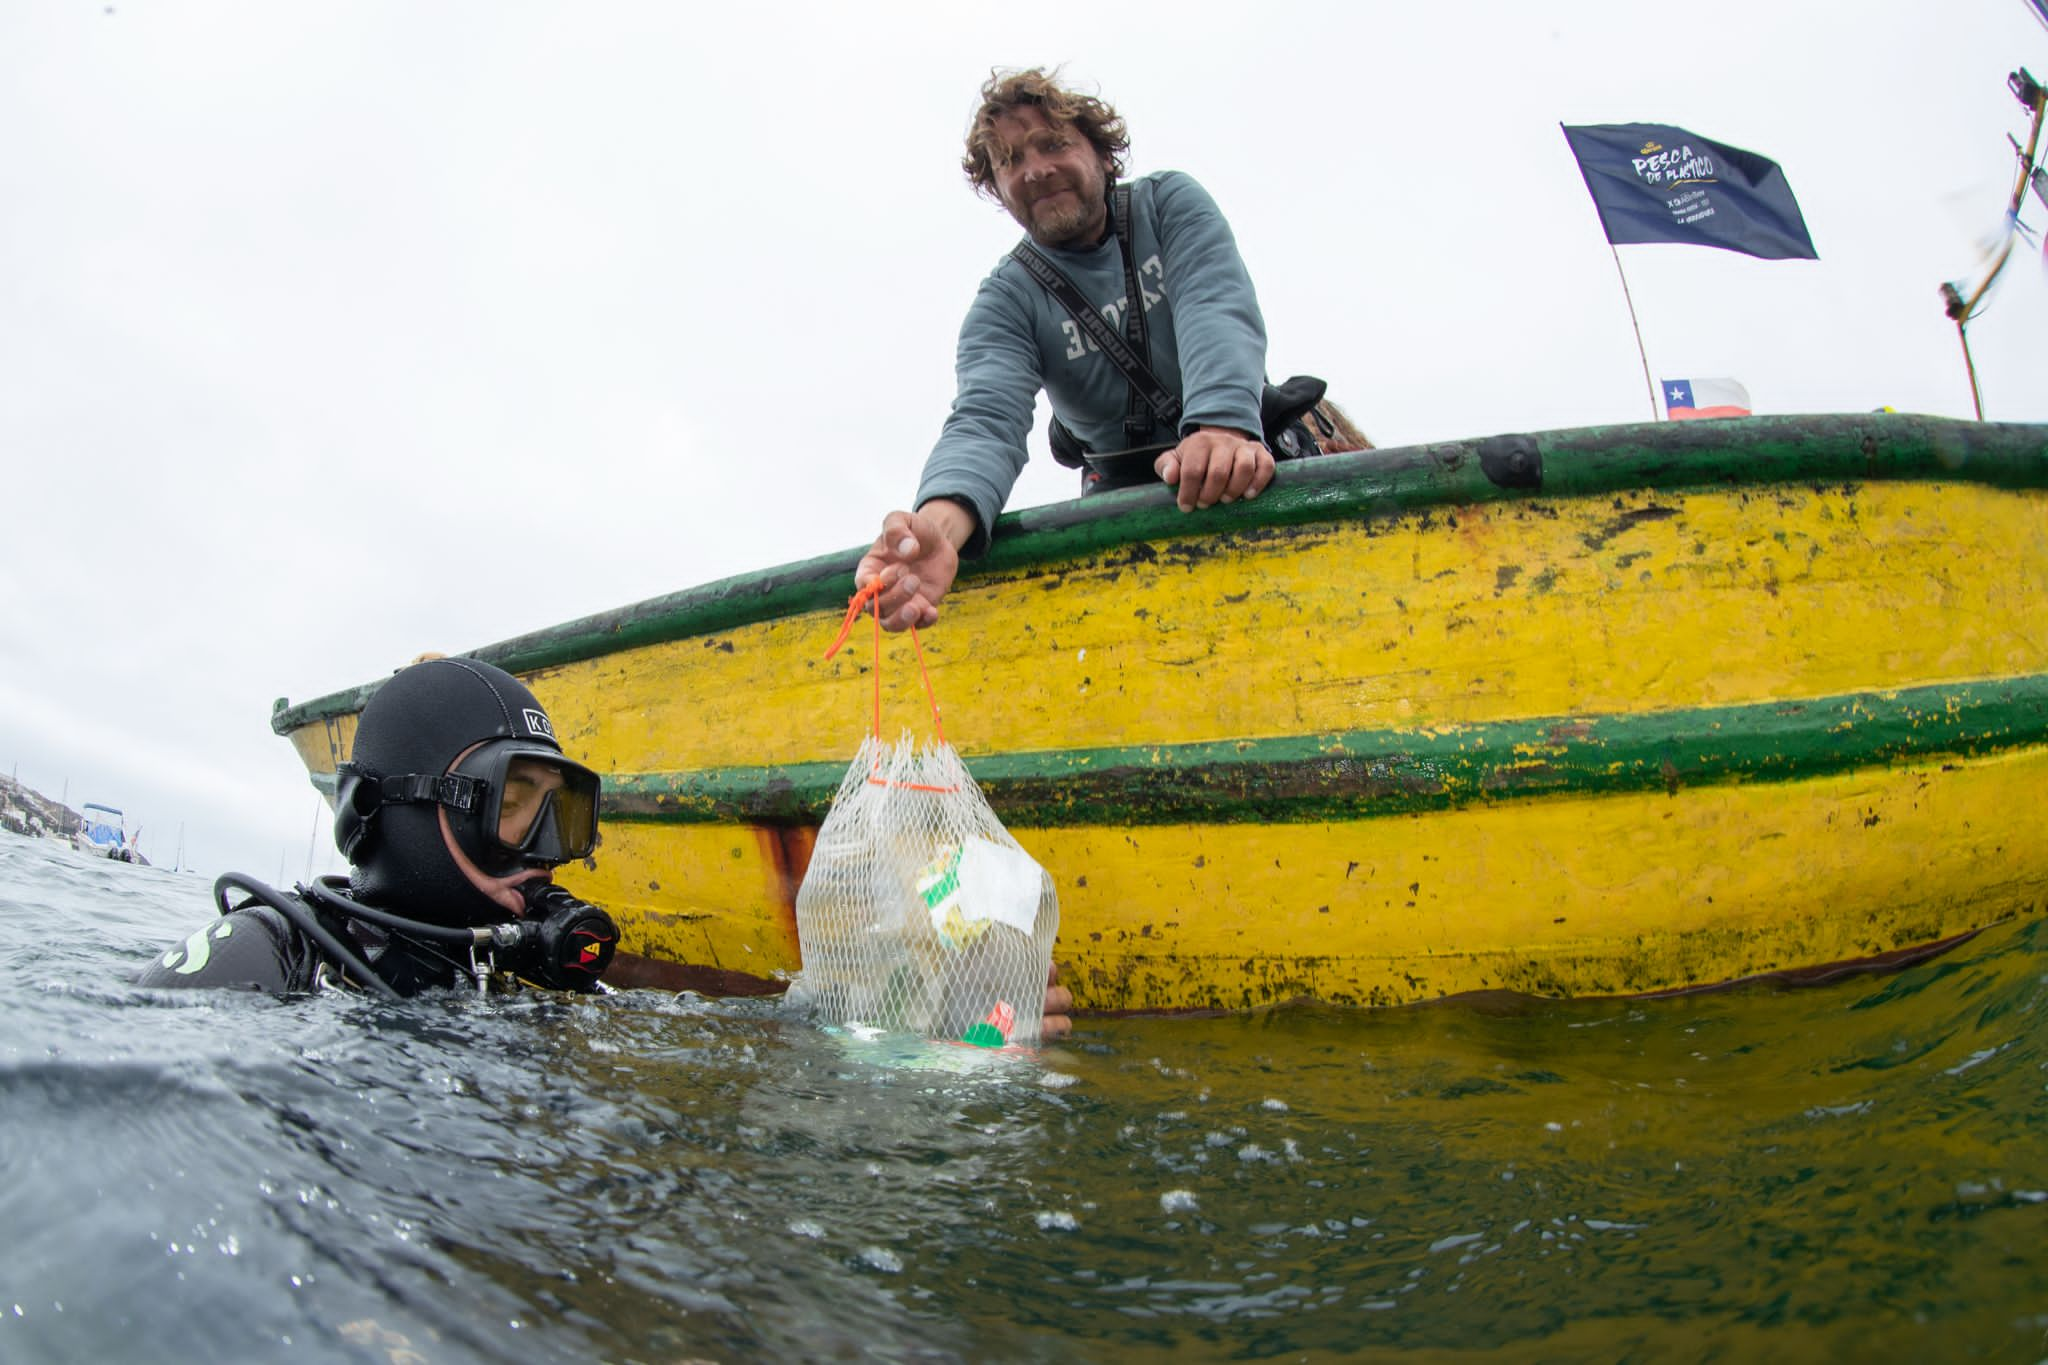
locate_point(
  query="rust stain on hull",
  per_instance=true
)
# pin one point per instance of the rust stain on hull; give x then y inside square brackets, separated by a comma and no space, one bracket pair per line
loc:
[786,853]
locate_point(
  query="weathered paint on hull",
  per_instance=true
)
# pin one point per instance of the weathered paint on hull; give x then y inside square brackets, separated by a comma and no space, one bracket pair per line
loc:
[1564,896]
[1392,735]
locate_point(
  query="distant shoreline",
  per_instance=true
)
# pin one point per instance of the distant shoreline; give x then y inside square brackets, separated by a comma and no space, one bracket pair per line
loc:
[25,810]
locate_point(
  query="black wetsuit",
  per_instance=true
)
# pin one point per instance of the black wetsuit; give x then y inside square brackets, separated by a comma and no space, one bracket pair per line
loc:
[254,947]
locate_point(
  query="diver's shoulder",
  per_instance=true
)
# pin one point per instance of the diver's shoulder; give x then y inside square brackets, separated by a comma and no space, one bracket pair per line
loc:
[252,947]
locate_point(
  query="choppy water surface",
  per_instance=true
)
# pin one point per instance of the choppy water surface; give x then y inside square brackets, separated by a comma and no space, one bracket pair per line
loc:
[1851,1172]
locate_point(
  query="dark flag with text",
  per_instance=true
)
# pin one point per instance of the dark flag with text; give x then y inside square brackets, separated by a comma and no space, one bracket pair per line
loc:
[1655,183]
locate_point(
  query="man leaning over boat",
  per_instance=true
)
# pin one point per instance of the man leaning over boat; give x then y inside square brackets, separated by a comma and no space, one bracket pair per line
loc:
[1192,415]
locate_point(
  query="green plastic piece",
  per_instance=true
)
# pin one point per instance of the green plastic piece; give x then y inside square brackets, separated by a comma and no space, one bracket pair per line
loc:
[983,1034]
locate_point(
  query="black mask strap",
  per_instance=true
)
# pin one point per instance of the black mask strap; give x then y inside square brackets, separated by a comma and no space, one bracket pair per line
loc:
[456,792]
[365,794]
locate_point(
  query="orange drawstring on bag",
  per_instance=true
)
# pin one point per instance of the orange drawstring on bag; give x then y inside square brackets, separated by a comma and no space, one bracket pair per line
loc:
[869,598]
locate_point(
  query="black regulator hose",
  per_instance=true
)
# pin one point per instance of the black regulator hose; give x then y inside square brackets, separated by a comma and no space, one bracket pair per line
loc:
[562,943]
[306,922]
[347,905]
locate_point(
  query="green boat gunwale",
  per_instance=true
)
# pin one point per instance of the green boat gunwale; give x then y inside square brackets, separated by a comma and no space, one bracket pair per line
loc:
[1576,462]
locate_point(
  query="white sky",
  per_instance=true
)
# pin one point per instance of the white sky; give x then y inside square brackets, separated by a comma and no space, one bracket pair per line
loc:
[331,333]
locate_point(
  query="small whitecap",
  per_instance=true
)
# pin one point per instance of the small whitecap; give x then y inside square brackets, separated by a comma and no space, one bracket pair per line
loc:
[1058,1080]
[1056,1220]
[1554,1127]
[882,1259]
[1277,1106]
[804,1227]
[1251,1151]
[1178,1201]
[1836,1111]
[1975,1059]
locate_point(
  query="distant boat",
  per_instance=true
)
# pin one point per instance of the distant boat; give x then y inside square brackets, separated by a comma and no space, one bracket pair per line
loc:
[104,834]
[1581,713]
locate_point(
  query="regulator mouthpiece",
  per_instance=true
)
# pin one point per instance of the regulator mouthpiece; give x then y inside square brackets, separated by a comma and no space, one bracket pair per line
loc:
[563,943]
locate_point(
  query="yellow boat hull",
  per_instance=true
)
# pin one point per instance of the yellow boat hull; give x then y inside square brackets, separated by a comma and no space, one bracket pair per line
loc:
[1582,714]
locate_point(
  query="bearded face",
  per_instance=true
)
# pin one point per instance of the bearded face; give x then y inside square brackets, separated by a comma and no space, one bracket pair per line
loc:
[1050,178]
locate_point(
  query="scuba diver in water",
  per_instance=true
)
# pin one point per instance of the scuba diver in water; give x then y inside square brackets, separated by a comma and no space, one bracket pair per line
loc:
[454,808]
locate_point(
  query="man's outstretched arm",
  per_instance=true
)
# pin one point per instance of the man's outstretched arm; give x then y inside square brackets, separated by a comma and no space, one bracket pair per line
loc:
[1222,339]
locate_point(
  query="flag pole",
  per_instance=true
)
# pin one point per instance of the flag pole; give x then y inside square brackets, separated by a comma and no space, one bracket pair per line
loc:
[1648,387]
[1959,309]
[2034,96]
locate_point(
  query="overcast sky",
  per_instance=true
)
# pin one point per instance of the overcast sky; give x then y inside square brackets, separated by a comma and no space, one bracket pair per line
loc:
[332,333]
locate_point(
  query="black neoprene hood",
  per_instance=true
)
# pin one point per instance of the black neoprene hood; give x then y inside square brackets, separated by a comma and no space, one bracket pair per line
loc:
[418,722]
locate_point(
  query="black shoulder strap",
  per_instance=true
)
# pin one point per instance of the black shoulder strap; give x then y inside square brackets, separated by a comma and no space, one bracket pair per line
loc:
[1129,352]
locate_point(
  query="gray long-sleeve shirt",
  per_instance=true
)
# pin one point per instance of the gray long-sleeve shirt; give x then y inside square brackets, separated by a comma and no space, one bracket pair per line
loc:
[1207,337]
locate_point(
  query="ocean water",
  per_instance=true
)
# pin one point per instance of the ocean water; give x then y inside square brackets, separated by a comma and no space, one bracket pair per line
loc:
[1850,1172]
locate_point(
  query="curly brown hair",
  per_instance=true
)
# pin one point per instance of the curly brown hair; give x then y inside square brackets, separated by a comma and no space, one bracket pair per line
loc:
[1063,108]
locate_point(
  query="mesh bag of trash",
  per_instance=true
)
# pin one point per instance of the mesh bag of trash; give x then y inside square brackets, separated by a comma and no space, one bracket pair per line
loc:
[919,912]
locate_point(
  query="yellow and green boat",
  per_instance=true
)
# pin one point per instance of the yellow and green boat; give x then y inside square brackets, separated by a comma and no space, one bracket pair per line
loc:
[1584,713]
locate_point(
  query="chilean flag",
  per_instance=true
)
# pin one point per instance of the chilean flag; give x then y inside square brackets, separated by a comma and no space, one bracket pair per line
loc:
[1685,399]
